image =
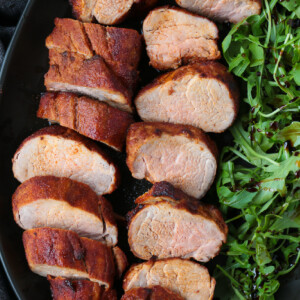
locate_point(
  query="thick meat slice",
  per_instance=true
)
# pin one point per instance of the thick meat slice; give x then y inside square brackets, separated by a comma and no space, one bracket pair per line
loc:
[186,278]
[174,37]
[94,60]
[223,10]
[204,95]
[48,201]
[66,289]
[108,12]
[63,253]
[154,293]
[164,226]
[180,154]
[92,118]
[62,152]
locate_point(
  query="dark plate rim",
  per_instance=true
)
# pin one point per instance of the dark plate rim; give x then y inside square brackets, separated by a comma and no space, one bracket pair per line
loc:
[3,72]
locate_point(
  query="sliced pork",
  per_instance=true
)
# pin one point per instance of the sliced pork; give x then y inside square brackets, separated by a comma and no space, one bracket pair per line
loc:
[180,154]
[66,289]
[109,12]
[94,119]
[121,261]
[225,10]
[94,60]
[168,223]
[63,253]
[203,94]
[62,152]
[174,37]
[48,201]
[186,278]
[154,293]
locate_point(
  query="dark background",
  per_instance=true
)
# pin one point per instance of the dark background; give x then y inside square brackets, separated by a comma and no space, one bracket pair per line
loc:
[10,12]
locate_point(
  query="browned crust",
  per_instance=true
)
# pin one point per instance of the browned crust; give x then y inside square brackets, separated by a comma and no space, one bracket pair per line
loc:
[73,69]
[66,289]
[152,293]
[120,48]
[76,194]
[141,132]
[205,69]
[99,261]
[62,132]
[78,10]
[65,249]
[107,212]
[120,260]
[94,119]
[165,192]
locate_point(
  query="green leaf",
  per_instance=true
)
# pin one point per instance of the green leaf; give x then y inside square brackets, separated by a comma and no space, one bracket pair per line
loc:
[291,133]
[290,219]
[296,73]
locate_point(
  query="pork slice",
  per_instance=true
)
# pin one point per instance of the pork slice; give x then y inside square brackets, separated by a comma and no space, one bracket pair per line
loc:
[70,72]
[89,117]
[180,154]
[57,202]
[204,95]
[94,60]
[63,253]
[186,278]
[152,293]
[109,12]
[66,289]
[120,260]
[61,152]
[174,37]
[223,10]
[164,226]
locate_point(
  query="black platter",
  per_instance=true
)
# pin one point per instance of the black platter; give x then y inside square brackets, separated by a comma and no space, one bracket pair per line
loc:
[21,83]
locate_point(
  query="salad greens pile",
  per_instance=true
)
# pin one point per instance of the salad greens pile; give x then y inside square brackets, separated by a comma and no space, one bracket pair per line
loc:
[259,176]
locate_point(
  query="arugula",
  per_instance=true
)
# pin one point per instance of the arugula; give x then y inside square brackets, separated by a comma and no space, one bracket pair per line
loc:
[258,182]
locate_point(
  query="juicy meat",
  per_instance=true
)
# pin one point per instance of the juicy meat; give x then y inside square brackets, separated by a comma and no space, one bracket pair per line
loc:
[186,278]
[89,117]
[223,10]
[174,37]
[204,95]
[63,253]
[48,201]
[94,60]
[153,293]
[61,152]
[168,226]
[180,154]
[66,289]
[109,12]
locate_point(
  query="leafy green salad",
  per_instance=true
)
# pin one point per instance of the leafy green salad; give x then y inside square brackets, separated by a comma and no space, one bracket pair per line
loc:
[259,175]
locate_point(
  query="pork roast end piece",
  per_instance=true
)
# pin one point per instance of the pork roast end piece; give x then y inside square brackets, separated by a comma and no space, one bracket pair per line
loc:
[62,152]
[180,154]
[57,202]
[70,256]
[94,119]
[165,226]
[174,37]
[94,60]
[203,94]
[188,279]
[67,289]
[152,293]
[225,11]
[109,12]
